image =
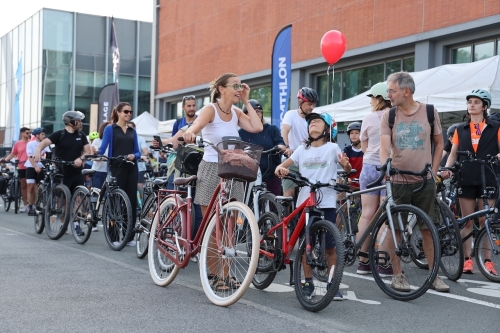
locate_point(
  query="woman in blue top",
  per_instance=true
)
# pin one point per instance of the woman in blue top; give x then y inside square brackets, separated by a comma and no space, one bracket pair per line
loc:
[268,138]
[121,140]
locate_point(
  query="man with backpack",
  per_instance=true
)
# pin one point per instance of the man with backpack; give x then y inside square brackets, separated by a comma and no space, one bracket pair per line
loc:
[407,132]
[189,108]
[71,145]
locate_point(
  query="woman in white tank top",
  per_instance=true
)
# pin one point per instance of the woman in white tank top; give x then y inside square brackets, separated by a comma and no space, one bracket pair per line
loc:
[218,119]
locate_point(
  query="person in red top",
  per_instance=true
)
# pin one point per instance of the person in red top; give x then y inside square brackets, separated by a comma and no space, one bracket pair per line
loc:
[480,136]
[19,151]
[354,152]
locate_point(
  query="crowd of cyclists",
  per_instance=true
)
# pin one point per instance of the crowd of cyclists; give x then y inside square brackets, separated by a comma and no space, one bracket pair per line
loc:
[398,127]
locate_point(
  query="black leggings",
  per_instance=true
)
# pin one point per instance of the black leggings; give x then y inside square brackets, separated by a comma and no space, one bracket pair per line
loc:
[126,178]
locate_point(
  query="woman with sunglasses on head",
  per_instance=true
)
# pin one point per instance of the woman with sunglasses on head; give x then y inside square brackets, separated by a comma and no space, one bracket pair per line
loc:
[481,137]
[120,140]
[218,119]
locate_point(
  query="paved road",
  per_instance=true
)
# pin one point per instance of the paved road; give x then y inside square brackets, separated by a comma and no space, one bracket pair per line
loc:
[61,286]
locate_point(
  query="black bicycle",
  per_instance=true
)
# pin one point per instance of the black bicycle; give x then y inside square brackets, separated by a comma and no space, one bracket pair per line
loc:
[116,213]
[52,201]
[13,189]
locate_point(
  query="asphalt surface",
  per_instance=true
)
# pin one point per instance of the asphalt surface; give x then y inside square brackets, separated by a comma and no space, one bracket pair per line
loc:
[61,286]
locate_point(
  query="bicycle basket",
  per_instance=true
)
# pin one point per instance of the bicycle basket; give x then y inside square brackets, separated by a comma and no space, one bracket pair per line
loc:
[188,159]
[238,159]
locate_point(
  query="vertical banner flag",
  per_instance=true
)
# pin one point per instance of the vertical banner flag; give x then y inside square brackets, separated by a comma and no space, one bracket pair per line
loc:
[105,103]
[281,69]
[17,111]
[113,44]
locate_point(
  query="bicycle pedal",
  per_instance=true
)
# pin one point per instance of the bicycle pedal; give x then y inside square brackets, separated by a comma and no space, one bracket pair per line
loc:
[269,237]
[168,232]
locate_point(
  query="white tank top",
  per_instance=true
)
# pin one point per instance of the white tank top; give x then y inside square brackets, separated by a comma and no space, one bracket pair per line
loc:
[215,130]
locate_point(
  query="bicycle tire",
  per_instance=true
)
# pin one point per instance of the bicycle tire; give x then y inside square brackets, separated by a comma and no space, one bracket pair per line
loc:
[452,251]
[117,219]
[144,222]
[244,252]
[324,291]
[81,214]
[266,203]
[162,270]
[266,272]
[17,196]
[420,280]
[482,250]
[6,198]
[40,200]
[57,212]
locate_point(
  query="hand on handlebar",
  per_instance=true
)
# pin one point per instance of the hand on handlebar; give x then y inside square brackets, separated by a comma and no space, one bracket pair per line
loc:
[445,174]
[189,137]
[281,171]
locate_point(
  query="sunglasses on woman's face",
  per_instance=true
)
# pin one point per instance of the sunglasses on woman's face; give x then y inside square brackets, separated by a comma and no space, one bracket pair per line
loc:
[126,111]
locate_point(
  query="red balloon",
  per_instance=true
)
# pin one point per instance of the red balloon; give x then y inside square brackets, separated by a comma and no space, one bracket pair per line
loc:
[333,45]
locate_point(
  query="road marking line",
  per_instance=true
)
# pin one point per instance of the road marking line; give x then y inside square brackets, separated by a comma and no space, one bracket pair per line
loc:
[457,297]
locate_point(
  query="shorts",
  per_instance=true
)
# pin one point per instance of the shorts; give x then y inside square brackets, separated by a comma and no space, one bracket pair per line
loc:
[330,215]
[475,192]
[33,177]
[207,182]
[21,173]
[140,177]
[368,175]
[287,183]
[425,199]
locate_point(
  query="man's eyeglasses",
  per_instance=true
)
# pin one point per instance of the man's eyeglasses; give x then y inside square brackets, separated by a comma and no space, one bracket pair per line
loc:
[258,110]
[236,86]
[127,111]
[190,97]
[478,130]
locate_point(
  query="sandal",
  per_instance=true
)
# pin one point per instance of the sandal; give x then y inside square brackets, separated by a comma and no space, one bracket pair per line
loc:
[233,283]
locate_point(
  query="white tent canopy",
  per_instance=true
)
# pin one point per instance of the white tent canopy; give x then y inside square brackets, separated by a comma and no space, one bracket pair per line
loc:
[146,125]
[444,86]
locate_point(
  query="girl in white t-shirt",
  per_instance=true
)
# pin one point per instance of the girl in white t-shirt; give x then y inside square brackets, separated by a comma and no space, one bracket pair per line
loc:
[317,159]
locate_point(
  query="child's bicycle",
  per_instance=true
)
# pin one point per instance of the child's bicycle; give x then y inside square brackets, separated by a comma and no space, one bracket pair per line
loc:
[227,239]
[314,235]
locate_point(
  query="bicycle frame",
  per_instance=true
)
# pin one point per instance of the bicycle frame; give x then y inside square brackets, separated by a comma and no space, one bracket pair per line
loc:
[190,246]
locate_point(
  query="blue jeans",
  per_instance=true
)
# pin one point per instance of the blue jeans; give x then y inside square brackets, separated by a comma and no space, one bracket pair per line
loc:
[98,179]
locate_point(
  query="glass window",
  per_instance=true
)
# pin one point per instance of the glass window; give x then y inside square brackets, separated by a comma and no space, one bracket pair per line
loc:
[21,44]
[263,95]
[35,94]
[484,51]
[126,36]
[91,34]
[392,67]
[36,41]
[57,59]
[15,49]
[56,98]
[28,53]
[27,116]
[498,47]
[58,30]
[409,64]
[359,80]
[91,62]
[3,115]
[324,88]
[126,87]
[144,95]
[461,55]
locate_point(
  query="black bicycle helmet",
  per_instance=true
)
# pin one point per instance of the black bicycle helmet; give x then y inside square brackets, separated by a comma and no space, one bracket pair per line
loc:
[353,126]
[255,104]
[308,95]
[451,129]
[192,162]
[70,117]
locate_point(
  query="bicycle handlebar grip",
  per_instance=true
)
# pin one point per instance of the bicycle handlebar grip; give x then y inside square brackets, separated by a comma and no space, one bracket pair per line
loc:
[464,153]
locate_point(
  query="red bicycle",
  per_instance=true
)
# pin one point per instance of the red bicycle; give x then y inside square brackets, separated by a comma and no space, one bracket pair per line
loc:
[320,254]
[227,240]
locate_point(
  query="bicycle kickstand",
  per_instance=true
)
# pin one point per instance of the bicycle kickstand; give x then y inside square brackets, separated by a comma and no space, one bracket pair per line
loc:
[291,273]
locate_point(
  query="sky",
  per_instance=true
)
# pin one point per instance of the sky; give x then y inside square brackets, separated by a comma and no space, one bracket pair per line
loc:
[16,12]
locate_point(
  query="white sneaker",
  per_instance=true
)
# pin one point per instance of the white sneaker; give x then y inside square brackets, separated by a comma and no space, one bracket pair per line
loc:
[116,244]
[95,229]
[131,243]
[23,210]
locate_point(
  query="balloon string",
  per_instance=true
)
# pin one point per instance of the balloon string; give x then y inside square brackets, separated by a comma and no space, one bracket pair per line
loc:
[327,79]
[333,79]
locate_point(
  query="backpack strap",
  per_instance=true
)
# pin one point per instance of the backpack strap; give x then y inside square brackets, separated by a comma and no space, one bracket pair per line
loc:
[430,117]
[392,119]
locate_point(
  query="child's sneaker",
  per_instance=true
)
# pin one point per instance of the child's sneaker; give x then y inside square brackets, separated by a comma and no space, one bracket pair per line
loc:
[308,290]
